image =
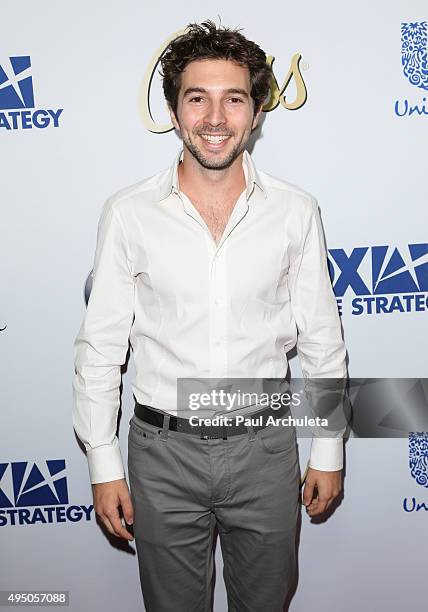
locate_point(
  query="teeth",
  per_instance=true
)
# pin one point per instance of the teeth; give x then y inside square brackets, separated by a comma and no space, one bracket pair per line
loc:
[214,139]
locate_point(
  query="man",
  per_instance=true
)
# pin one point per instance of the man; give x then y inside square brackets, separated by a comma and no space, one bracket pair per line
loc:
[210,269]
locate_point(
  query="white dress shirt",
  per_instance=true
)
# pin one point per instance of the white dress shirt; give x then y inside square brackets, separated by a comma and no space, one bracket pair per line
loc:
[191,308]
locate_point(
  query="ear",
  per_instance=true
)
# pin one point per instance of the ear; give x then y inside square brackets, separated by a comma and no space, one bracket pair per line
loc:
[173,118]
[257,117]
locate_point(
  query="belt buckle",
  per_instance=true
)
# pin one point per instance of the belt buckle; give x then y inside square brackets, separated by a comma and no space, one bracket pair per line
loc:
[221,429]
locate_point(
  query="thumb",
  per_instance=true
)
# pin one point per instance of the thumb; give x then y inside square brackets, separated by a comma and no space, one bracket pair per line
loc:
[127,509]
[308,492]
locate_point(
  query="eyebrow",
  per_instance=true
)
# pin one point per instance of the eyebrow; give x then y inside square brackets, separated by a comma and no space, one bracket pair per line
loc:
[231,90]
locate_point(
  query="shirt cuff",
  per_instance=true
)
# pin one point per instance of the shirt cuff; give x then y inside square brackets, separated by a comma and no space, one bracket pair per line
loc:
[326,454]
[105,463]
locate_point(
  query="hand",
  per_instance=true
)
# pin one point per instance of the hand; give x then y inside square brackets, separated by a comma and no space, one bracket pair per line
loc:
[328,486]
[108,496]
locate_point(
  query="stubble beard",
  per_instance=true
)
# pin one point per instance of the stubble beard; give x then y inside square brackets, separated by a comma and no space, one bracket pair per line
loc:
[213,164]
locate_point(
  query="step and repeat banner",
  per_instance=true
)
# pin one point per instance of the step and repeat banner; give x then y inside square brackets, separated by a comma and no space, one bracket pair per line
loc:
[81,116]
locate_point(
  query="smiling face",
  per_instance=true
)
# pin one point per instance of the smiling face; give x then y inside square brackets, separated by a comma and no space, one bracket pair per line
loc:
[215,113]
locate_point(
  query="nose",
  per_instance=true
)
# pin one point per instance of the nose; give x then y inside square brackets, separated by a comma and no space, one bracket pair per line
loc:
[215,114]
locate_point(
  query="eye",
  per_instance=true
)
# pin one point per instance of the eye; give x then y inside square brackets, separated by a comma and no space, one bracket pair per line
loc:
[235,100]
[196,99]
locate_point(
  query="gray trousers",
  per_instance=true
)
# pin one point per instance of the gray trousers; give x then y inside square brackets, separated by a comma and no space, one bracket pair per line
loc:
[183,486]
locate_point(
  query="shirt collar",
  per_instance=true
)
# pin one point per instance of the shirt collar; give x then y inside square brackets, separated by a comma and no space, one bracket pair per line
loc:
[170,185]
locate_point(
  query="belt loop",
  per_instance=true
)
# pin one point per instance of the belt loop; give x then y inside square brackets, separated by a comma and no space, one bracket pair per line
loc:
[251,433]
[165,428]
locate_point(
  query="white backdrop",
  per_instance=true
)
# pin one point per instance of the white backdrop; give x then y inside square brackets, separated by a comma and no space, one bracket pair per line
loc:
[346,145]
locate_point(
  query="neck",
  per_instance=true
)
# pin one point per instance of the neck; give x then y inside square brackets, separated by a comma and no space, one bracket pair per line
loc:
[209,184]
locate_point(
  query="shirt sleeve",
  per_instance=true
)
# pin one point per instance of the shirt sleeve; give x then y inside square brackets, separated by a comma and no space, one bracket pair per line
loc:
[100,349]
[320,345]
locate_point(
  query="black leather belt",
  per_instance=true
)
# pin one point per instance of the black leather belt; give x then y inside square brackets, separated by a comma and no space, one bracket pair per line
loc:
[154,417]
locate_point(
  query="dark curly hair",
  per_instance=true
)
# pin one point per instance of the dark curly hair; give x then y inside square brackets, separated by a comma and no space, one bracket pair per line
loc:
[207,41]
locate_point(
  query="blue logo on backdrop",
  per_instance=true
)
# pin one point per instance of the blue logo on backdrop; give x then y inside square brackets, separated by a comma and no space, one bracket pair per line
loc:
[31,487]
[415,65]
[418,457]
[37,493]
[418,464]
[414,53]
[16,93]
[384,279]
